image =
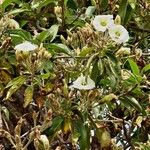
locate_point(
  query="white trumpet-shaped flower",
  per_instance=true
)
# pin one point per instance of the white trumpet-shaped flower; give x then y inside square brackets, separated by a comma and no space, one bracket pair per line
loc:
[83,83]
[119,34]
[26,46]
[103,22]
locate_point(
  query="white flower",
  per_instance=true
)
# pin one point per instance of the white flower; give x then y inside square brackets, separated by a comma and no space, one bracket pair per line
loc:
[103,22]
[119,34]
[83,83]
[26,46]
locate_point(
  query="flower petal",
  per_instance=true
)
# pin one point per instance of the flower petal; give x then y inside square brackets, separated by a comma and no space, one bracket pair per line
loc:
[26,46]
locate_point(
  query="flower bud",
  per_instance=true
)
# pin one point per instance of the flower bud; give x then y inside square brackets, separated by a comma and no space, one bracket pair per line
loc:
[123,51]
[58,11]
[117,20]
[138,53]
[63,39]
[47,55]
[45,141]
[108,98]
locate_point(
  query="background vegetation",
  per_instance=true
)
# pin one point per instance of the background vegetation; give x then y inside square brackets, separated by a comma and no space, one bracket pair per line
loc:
[38,108]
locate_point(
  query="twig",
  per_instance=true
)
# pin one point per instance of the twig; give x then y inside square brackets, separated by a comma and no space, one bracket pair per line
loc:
[1,122]
[68,57]
[118,119]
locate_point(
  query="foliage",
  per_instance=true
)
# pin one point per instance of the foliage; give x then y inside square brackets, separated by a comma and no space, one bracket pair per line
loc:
[67,81]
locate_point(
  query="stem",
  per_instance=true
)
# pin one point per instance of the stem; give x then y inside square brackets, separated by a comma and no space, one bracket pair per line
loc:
[68,57]
[63,12]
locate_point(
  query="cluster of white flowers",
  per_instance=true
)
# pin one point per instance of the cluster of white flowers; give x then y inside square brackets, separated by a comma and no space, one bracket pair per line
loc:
[117,32]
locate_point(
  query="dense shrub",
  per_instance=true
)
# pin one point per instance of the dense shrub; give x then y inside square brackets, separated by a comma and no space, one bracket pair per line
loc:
[75,74]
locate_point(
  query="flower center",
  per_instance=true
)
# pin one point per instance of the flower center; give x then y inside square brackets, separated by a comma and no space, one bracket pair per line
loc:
[117,33]
[103,23]
[83,82]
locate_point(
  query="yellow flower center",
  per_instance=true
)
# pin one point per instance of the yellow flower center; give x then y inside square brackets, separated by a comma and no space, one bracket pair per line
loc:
[117,33]
[83,82]
[103,23]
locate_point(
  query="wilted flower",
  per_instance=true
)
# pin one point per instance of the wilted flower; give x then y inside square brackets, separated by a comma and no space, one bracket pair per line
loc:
[125,74]
[26,46]
[123,51]
[83,83]
[45,141]
[119,34]
[103,22]
[138,53]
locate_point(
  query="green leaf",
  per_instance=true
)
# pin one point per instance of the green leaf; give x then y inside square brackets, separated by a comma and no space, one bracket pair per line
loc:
[17,11]
[134,103]
[95,71]
[126,6]
[84,138]
[146,68]
[113,69]
[13,89]
[128,15]
[90,10]
[6,112]
[8,2]
[104,4]
[123,9]
[112,57]
[42,3]
[134,67]
[28,95]
[19,34]
[56,125]
[14,85]
[16,39]
[59,48]
[85,51]
[71,4]
[50,33]
[16,81]
[132,3]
